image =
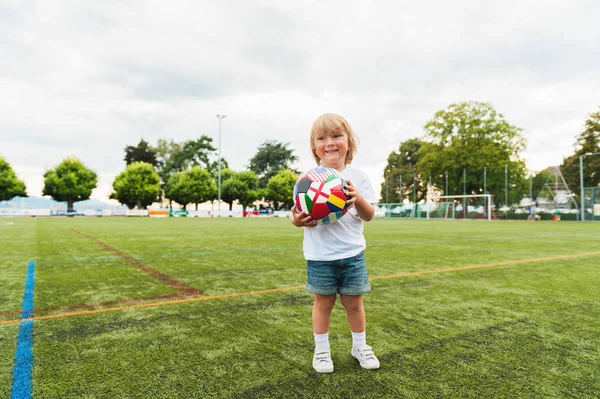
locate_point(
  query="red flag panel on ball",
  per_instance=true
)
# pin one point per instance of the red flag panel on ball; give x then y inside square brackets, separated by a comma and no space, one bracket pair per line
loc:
[320,210]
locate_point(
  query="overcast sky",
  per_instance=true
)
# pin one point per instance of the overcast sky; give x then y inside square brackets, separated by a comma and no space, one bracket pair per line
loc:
[85,79]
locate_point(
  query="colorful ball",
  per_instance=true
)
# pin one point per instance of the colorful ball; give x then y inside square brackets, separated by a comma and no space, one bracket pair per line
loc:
[321,193]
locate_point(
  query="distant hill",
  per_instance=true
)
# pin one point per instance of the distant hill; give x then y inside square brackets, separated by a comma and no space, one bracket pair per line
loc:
[49,203]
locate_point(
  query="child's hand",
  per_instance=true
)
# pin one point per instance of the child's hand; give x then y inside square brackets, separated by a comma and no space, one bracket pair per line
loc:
[353,196]
[301,219]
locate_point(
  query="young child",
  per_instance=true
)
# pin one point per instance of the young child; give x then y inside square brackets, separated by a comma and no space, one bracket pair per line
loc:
[334,252]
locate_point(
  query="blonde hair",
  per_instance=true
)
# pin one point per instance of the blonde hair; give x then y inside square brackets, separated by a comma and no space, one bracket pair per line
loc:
[333,122]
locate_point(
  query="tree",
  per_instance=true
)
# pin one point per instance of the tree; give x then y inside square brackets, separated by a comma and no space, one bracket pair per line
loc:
[270,158]
[204,186]
[69,181]
[165,151]
[140,153]
[232,189]
[10,185]
[214,168]
[194,153]
[471,136]
[179,189]
[280,189]
[239,186]
[138,185]
[194,185]
[173,157]
[588,142]
[251,192]
[403,163]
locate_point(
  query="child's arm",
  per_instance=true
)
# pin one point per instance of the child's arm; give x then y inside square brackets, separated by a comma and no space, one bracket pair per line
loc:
[365,210]
[300,219]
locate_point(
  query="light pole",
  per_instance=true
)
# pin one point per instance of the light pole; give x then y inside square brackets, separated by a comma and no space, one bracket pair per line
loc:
[400,190]
[530,186]
[219,163]
[446,190]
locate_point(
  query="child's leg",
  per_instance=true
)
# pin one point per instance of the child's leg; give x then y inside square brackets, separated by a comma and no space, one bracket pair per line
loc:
[321,312]
[355,312]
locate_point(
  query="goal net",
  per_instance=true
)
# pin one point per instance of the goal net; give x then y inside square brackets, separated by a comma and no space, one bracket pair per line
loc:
[459,207]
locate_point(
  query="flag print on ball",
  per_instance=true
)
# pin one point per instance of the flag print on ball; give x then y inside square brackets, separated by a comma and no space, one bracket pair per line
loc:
[321,193]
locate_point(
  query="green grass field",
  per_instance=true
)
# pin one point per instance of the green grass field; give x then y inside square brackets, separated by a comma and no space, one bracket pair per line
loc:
[180,308]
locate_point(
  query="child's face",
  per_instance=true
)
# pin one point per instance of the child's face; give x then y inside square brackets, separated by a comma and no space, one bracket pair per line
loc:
[331,148]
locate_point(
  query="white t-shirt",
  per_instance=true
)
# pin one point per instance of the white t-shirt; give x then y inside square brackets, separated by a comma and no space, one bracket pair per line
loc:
[343,238]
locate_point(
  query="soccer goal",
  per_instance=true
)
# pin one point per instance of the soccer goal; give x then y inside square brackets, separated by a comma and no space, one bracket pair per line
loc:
[460,207]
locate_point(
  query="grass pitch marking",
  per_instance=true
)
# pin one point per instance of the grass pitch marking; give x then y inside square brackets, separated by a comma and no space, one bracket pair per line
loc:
[23,366]
[171,282]
[153,304]
[267,291]
[373,243]
[183,294]
[510,262]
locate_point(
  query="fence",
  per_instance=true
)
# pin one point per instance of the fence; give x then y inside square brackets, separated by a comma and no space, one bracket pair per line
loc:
[471,211]
[591,204]
[513,194]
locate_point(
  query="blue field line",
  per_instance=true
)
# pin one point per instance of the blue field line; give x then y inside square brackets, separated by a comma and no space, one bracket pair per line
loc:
[22,370]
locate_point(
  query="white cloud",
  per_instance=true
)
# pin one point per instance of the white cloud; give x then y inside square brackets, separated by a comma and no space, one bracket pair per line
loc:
[88,79]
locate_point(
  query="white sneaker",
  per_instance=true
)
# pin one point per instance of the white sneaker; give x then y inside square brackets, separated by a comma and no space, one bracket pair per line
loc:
[366,357]
[322,362]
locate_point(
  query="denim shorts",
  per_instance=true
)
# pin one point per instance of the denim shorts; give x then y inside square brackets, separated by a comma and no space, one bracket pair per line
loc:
[346,276]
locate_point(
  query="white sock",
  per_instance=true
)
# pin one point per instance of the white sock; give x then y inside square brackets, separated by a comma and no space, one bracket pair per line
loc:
[359,339]
[322,342]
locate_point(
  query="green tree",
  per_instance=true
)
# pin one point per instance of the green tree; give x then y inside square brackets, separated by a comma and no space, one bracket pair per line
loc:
[194,185]
[69,181]
[232,189]
[403,163]
[280,189]
[471,136]
[140,153]
[239,186]
[271,157]
[173,157]
[204,185]
[588,142]
[138,185]
[251,192]
[165,152]
[10,185]
[194,153]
